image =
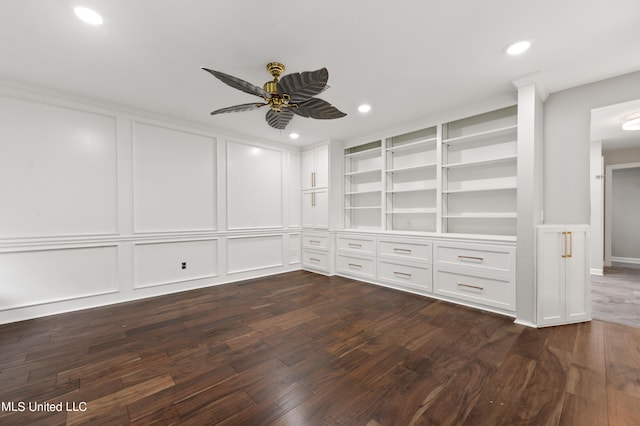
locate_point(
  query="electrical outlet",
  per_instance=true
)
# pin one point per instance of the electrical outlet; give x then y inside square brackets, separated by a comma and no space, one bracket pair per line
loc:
[184,265]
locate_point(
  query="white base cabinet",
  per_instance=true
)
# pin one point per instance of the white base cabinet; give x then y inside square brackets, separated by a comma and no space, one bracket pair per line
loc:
[563,281]
[318,252]
[477,274]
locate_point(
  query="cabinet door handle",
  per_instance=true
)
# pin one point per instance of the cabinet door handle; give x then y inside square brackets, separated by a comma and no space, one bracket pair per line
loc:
[313,179]
[354,245]
[355,265]
[402,250]
[313,259]
[470,258]
[402,274]
[471,286]
[568,243]
[313,199]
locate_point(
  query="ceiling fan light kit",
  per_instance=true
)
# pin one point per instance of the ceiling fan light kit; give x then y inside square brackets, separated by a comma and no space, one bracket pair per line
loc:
[292,94]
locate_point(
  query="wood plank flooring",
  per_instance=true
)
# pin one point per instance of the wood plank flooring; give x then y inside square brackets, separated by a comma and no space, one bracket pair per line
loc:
[304,349]
[615,297]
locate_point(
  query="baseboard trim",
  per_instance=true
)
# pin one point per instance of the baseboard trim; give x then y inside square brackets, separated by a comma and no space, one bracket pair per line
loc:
[625,260]
[525,323]
[595,271]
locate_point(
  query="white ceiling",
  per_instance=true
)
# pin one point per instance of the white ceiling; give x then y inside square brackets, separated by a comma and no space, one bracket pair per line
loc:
[408,59]
[606,126]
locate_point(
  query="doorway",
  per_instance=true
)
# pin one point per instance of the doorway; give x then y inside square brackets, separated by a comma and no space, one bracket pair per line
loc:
[615,203]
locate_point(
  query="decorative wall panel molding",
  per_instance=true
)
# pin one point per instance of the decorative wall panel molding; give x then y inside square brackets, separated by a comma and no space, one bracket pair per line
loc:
[174,180]
[172,262]
[254,187]
[252,253]
[42,276]
[58,171]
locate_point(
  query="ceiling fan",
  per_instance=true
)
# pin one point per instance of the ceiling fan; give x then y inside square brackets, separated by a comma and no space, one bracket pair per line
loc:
[292,94]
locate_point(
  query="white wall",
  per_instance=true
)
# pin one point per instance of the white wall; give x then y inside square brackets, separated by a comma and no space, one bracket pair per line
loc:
[102,205]
[621,156]
[567,116]
[625,232]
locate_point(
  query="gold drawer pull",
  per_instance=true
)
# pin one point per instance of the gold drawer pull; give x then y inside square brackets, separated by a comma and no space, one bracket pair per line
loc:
[355,245]
[402,274]
[472,258]
[355,265]
[314,242]
[402,250]
[313,259]
[471,286]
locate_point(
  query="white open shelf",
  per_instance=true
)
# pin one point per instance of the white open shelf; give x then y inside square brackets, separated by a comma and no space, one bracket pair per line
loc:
[372,191]
[481,136]
[481,215]
[363,153]
[363,172]
[411,168]
[484,162]
[413,211]
[480,189]
[411,146]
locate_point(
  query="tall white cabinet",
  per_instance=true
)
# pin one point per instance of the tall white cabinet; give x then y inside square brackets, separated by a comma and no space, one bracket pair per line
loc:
[315,188]
[563,281]
[317,242]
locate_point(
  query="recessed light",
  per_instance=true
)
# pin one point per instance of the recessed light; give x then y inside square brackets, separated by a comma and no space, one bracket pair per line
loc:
[364,108]
[294,135]
[518,47]
[632,124]
[87,15]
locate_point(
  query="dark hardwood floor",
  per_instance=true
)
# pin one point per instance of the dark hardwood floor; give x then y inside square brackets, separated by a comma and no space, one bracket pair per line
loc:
[304,349]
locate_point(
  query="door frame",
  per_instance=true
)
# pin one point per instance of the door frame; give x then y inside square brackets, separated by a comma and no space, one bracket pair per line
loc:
[608,206]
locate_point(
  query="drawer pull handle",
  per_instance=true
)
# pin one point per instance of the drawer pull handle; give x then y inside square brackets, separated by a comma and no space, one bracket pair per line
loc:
[402,274]
[355,245]
[402,250]
[471,286]
[314,242]
[313,259]
[355,265]
[471,258]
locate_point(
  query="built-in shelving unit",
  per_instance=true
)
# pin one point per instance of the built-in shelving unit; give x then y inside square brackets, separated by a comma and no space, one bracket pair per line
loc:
[479,174]
[363,186]
[459,177]
[411,181]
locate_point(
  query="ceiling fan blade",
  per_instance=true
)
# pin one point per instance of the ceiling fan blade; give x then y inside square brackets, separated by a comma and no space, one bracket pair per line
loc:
[238,83]
[319,109]
[303,86]
[238,108]
[279,120]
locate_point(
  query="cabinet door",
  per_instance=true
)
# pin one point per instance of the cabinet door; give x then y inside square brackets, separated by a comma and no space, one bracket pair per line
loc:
[578,281]
[322,167]
[308,169]
[550,276]
[307,209]
[321,209]
[315,209]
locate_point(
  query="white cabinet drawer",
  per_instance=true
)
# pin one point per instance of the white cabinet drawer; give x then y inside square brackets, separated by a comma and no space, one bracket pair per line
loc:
[500,259]
[409,250]
[320,242]
[361,267]
[357,245]
[406,275]
[315,260]
[499,293]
